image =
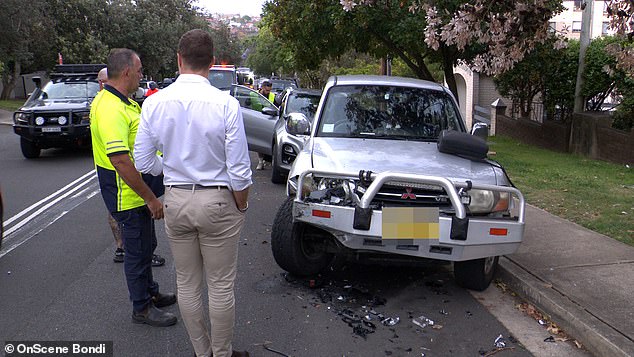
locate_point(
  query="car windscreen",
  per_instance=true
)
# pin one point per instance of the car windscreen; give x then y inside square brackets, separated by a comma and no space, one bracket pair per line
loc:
[221,79]
[56,90]
[280,85]
[303,103]
[391,112]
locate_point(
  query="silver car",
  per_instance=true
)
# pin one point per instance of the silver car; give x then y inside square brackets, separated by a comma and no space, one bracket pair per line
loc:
[388,172]
[259,116]
[296,104]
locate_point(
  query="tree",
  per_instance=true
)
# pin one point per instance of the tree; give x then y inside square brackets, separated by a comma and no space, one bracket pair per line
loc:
[621,14]
[26,36]
[490,36]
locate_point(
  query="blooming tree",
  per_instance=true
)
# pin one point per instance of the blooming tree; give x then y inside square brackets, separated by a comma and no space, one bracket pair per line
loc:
[621,14]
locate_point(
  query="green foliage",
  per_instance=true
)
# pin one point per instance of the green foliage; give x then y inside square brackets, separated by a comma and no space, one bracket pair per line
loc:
[595,194]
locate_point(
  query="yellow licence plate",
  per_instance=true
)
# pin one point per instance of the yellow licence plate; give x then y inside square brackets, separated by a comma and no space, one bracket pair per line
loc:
[410,223]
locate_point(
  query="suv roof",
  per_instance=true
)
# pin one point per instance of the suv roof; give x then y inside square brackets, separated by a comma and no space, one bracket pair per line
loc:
[68,70]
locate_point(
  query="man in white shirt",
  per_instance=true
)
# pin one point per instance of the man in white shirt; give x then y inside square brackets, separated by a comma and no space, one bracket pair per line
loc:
[200,131]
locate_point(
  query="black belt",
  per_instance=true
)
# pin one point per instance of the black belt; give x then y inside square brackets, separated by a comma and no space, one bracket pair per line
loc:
[198,187]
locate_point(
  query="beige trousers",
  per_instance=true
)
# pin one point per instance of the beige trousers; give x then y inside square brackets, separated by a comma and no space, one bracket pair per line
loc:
[203,227]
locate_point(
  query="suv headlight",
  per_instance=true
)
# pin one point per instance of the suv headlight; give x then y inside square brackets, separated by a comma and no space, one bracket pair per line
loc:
[21,118]
[485,201]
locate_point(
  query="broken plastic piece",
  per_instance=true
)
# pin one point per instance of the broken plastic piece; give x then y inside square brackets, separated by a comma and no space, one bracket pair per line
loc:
[422,321]
[541,322]
[549,339]
[391,321]
[499,342]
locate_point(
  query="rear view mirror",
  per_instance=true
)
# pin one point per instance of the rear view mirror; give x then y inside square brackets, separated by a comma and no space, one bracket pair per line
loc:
[297,124]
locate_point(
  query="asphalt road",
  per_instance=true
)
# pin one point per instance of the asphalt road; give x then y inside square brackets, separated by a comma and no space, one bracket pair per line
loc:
[58,281]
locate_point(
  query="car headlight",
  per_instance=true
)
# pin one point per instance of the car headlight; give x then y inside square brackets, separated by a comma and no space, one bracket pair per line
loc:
[485,201]
[21,118]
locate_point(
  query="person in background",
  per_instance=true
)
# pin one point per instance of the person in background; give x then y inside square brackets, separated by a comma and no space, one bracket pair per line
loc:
[114,119]
[207,171]
[119,253]
[153,89]
[265,89]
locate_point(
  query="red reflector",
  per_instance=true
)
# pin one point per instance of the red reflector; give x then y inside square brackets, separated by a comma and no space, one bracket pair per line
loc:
[498,231]
[320,213]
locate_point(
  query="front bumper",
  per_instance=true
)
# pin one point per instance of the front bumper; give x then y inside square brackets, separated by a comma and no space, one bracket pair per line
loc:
[67,135]
[480,237]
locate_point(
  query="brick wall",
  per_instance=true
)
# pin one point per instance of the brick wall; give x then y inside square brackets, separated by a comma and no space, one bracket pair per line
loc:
[591,136]
[549,135]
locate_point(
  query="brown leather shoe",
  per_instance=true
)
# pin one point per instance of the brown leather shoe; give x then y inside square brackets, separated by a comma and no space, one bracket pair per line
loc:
[239,353]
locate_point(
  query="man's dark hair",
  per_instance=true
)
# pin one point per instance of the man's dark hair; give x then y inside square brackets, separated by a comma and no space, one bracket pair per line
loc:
[118,60]
[196,49]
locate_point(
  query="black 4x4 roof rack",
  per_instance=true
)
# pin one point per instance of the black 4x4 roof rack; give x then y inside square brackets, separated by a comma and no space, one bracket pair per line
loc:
[77,69]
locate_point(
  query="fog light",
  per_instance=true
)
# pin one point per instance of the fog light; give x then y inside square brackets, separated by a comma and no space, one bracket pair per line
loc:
[39,121]
[62,120]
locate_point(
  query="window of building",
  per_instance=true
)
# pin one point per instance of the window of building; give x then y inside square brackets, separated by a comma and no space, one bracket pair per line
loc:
[552,26]
[577,5]
[604,28]
[576,26]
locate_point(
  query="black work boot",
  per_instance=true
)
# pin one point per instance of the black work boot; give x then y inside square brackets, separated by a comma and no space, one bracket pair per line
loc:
[154,317]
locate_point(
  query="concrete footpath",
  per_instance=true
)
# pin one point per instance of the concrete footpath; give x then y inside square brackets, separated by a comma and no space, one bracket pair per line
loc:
[582,279]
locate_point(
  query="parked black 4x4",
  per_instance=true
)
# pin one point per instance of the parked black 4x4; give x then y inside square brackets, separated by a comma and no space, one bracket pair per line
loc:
[57,115]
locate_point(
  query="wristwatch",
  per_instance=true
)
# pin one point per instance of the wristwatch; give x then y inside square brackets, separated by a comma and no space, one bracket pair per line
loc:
[244,209]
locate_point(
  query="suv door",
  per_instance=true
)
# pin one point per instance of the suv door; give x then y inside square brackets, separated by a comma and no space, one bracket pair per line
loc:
[259,116]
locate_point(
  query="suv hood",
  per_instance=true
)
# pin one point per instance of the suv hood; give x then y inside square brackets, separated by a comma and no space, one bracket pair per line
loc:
[58,105]
[354,154]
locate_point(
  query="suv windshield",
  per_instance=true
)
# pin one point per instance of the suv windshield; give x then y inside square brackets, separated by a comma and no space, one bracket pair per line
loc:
[387,112]
[64,90]
[222,79]
[303,103]
[281,84]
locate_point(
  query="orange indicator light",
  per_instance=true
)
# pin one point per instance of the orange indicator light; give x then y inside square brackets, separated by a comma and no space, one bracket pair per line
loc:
[498,231]
[320,213]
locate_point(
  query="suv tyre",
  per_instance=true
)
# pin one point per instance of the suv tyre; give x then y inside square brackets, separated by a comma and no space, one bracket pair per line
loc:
[475,274]
[297,248]
[276,172]
[30,150]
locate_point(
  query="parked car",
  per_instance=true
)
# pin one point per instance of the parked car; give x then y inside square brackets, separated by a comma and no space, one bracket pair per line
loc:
[280,84]
[223,76]
[57,114]
[389,172]
[259,116]
[296,104]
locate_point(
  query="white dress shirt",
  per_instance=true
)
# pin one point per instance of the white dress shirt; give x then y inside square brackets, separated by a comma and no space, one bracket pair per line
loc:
[200,131]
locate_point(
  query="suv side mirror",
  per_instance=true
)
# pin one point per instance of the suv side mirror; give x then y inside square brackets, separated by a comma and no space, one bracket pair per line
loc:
[272,111]
[480,130]
[37,81]
[297,124]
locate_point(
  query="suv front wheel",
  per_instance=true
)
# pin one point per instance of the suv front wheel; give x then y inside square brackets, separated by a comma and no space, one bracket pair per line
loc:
[297,248]
[30,150]
[475,274]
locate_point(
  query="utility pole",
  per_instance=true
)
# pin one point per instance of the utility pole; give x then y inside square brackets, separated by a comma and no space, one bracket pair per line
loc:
[584,41]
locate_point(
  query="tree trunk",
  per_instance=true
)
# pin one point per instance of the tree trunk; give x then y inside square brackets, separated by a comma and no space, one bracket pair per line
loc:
[9,80]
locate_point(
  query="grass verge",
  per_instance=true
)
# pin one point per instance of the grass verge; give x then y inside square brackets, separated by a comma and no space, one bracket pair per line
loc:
[595,194]
[11,104]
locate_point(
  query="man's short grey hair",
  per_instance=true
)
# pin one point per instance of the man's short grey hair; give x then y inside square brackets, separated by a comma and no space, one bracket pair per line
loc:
[118,60]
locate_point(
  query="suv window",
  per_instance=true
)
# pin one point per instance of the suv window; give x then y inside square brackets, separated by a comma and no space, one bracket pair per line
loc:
[222,78]
[302,103]
[388,111]
[250,99]
[60,90]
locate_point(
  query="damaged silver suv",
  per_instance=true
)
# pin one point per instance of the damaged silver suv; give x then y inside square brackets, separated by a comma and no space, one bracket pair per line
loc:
[390,172]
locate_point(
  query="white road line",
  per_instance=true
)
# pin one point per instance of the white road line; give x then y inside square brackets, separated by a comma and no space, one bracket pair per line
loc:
[24,221]
[33,206]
